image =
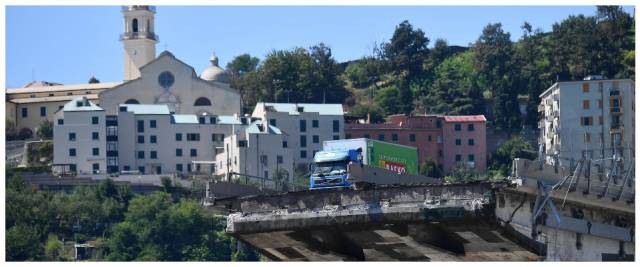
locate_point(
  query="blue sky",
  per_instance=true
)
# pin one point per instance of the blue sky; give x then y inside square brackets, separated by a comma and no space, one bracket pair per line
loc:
[69,44]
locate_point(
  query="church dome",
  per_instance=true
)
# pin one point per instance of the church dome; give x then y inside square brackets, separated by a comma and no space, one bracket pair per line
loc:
[214,72]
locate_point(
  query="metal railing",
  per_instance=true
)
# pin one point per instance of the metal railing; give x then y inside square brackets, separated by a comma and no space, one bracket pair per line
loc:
[136,35]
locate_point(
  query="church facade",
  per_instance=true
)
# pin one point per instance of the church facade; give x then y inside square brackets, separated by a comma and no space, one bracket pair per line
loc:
[147,80]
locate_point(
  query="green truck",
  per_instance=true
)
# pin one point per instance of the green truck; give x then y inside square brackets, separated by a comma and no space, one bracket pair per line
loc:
[341,163]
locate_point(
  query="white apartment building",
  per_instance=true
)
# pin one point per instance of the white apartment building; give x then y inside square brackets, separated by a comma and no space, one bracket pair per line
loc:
[153,141]
[79,138]
[593,118]
[258,150]
[146,138]
[305,126]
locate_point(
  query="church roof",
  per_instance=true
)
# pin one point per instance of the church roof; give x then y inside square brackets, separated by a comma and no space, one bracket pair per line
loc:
[214,72]
[147,109]
[297,108]
[81,104]
[56,88]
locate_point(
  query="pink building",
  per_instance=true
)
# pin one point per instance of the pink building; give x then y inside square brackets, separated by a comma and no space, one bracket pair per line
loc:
[447,140]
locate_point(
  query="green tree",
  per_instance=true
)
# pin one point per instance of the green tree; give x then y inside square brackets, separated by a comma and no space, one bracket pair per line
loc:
[430,168]
[10,131]
[390,100]
[166,183]
[503,157]
[53,248]
[374,112]
[405,53]
[462,174]
[243,64]
[23,243]
[493,60]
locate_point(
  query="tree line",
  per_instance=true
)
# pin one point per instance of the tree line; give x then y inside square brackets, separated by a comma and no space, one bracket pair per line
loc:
[121,225]
[405,75]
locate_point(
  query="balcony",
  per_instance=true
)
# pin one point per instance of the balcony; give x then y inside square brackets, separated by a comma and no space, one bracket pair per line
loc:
[139,35]
[112,153]
[614,110]
[614,92]
[112,138]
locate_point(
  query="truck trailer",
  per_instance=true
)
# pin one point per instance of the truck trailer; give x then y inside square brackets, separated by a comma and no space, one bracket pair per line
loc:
[343,163]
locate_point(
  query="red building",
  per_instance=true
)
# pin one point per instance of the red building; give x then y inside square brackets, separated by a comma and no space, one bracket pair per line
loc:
[449,141]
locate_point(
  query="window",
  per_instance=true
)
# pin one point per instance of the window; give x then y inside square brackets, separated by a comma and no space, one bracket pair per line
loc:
[470,127]
[152,124]
[336,126]
[458,142]
[131,101]
[381,137]
[43,111]
[303,141]
[471,158]
[412,137]
[472,142]
[585,104]
[95,151]
[127,168]
[153,154]
[336,137]
[264,159]
[60,122]
[458,158]
[166,79]
[134,25]
[141,169]
[440,153]
[314,123]
[201,120]
[141,126]
[140,139]
[96,166]
[457,127]
[212,120]
[178,152]
[178,137]
[587,137]
[217,137]
[72,136]
[242,143]
[316,139]
[586,121]
[24,112]
[279,159]
[94,120]
[194,152]
[202,101]
[95,136]
[273,122]
[585,87]
[439,139]
[429,138]
[141,154]
[394,137]
[153,139]
[303,126]
[284,144]
[303,154]
[179,167]
[193,137]
[72,152]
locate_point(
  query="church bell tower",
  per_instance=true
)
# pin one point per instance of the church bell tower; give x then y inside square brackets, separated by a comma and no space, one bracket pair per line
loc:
[139,39]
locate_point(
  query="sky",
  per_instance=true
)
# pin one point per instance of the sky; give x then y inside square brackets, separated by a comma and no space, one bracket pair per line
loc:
[69,44]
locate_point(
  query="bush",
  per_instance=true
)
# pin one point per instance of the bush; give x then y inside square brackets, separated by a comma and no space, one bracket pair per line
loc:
[45,130]
[25,133]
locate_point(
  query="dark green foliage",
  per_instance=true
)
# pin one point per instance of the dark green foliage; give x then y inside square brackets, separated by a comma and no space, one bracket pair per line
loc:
[10,131]
[166,183]
[501,159]
[242,64]
[463,175]
[25,133]
[45,130]
[430,168]
[364,72]
[390,100]
[374,111]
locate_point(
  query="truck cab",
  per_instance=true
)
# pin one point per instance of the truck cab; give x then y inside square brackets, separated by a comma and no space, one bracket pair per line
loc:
[330,168]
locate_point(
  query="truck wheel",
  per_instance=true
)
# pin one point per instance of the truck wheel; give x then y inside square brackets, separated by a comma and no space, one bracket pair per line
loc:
[362,185]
